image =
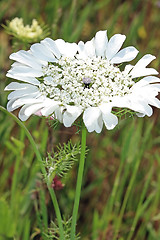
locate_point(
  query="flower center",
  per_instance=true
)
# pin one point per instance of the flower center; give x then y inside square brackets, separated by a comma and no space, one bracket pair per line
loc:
[84,82]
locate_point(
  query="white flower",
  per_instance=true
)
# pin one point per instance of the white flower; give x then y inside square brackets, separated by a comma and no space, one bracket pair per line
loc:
[66,80]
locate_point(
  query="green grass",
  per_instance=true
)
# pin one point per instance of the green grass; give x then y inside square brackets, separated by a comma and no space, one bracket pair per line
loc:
[121,188]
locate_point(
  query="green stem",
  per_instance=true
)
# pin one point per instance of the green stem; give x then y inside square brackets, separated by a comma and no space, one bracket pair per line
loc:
[14,181]
[79,183]
[38,155]
[15,174]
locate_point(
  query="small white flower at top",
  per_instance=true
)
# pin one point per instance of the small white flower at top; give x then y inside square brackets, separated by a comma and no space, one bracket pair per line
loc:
[66,80]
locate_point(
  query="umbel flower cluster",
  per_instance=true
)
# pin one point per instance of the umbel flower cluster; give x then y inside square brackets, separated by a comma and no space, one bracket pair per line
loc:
[26,33]
[68,80]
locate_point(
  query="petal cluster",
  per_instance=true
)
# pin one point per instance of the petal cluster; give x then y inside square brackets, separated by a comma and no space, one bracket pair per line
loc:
[68,80]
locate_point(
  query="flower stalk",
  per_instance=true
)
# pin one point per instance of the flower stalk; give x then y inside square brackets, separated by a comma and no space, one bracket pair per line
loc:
[79,182]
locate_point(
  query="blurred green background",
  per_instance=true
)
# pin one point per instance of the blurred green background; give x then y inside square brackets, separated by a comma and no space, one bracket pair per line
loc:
[121,189]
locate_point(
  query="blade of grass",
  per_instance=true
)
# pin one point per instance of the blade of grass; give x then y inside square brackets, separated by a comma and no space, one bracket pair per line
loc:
[109,206]
[15,173]
[43,209]
[26,231]
[139,207]
[144,209]
[131,182]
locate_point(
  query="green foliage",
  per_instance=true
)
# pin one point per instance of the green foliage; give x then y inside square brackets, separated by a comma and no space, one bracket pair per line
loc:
[7,225]
[61,161]
[53,123]
[53,231]
[123,113]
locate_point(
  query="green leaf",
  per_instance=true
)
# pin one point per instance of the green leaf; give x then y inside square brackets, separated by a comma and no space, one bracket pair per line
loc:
[7,224]
[61,161]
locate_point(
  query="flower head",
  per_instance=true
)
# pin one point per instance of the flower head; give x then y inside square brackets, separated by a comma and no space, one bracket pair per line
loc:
[68,80]
[28,33]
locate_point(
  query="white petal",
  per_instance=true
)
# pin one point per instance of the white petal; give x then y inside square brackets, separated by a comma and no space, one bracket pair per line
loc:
[47,110]
[70,115]
[140,69]
[101,42]
[70,50]
[147,109]
[80,46]
[110,120]
[128,68]
[114,45]
[65,48]
[92,118]
[86,49]
[151,79]
[145,81]
[26,58]
[147,91]
[21,113]
[140,72]
[41,61]
[59,114]
[154,87]
[145,60]
[48,42]
[32,109]
[15,103]
[122,102]
[82,54]
[154,102]
[140,105]
[17,64]
[28,110]
[89,48]
[16,86]
[24,92]
[106,108]
[140,114]
[10,105]
[134,102]
[27,100]
[31,80]
[25,71]
[42,52]
[125,55]
[61,45]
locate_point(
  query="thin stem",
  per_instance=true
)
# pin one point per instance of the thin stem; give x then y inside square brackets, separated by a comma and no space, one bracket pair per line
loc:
[15,174]
[14,180]
[38,155]
[79,182]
